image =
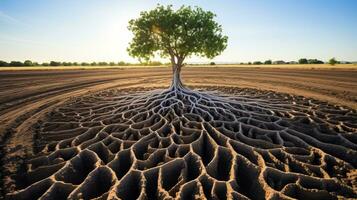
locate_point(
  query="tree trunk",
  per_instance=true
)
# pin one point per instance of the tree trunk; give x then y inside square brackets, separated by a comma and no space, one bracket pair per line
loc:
[176,77]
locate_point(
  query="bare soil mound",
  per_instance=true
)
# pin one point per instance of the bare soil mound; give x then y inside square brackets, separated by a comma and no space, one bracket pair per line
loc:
[213,142]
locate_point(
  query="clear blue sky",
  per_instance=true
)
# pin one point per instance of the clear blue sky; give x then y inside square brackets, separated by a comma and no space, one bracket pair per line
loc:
[96,30]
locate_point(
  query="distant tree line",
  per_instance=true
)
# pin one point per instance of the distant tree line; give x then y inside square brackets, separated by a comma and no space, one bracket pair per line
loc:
[302,61]
[29,63]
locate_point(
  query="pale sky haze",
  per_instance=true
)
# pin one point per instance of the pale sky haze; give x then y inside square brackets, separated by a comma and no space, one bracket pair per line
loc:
[96,30]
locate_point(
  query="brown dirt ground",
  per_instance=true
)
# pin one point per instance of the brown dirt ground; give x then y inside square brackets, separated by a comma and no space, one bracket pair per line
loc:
[26,95]
[338,86]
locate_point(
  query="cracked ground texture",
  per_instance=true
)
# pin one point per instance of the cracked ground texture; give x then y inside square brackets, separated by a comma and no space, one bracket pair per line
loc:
[203,143]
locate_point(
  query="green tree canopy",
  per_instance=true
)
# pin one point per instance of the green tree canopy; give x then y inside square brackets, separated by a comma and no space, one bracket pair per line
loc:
[16,64]
[176,34]
[28,63]
[3,63]
[303,61]
[315,61]
[54,63]
[332,61]
[268,62]
[257,63]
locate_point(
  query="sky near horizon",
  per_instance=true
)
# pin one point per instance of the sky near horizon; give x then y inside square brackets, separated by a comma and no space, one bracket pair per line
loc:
[96,30]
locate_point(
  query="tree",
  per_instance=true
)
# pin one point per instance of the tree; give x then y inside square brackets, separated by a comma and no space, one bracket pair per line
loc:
[268,62]
[3,63]
[332,61]
[122,63]
[54,63]
[303,61]
[212,63]
[65,63]
[102,63]
[176,34]
[257,63]
[16,64]
[315,61]
[28,63]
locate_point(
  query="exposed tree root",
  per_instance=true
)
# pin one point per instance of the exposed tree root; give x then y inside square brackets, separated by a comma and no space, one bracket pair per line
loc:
[190,144]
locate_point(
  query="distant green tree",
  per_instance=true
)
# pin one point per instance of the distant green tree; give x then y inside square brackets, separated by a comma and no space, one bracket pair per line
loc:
[332,61]
[257,63]
[315,61]
[16,64]
[303,61]
[112,63]
[102,64]
[3,63]
[212,63]
[93,64]
[55,64]
[122,63]
[268,62]
[28,63]
[85,64]
[45,64]
[249,63]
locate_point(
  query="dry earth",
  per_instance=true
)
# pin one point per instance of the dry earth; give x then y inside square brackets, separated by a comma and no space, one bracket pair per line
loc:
[116,133]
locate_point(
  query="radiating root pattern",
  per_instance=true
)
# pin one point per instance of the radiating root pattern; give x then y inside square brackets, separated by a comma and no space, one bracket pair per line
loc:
[216,143]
